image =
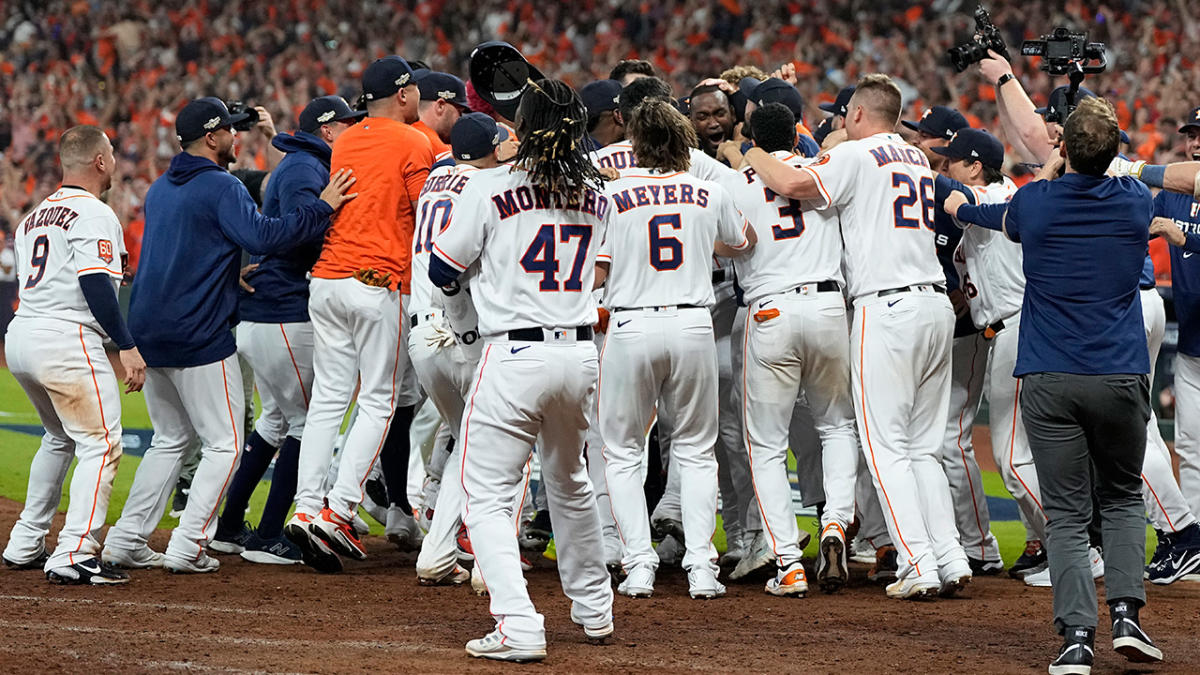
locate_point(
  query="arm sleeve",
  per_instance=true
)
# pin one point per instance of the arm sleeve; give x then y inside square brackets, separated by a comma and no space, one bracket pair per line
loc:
[241,222]
[990,216]
[731,228]
[297,188]
[101,299]
[836,174]
[942,187]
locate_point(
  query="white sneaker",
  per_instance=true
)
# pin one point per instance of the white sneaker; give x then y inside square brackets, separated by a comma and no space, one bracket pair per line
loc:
[596,633]
[914,588]
[703,584]
[954,577]
[759,555]
[1039,579]
[862,552]
[361,528]
[639,583]
[202,565]
[136,559]
[492,646]
[1042,579]
[477,584]
[735,551]
[455,576]
[402,530]
[789,582]
[1097,559]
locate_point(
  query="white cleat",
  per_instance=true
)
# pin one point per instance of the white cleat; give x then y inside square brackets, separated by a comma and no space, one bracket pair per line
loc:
[954,578]
[596,633]
[402,530]
[914,588]
[202,565]
[136,559]
[639,583]
[492,646]
[703,584]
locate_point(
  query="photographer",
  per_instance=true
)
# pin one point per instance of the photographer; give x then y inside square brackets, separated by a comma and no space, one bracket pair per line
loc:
[1082,359]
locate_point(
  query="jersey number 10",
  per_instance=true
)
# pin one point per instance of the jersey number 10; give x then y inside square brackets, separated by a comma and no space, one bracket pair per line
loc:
[542,256]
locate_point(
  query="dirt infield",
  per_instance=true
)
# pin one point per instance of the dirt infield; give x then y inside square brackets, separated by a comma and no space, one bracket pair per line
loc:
[375,618]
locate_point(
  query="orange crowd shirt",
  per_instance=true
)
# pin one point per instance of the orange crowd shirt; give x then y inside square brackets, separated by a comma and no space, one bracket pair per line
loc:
[374,230]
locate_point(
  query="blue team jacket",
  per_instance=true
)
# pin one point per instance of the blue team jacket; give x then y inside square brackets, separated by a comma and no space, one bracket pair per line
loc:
[281,280]
[198,219]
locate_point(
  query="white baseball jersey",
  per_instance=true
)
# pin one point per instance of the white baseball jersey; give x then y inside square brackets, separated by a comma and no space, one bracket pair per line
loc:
[434,210]
[993,263]
[794,246]
[883,188]
[69,235]
[619,156]
[660,238]
[538,267]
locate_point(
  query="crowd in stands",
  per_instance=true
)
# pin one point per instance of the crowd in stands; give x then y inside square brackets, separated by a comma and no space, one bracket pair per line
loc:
[130,65]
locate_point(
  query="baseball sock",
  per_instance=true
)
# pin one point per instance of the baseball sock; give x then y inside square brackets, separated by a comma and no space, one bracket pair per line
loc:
[283,489]
[256,457]
[394,458]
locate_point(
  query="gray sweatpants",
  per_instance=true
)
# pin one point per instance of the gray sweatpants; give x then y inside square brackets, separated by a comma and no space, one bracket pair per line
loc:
[1074,423]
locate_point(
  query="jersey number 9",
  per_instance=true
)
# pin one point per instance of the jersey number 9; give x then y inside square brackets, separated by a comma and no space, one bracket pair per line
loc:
[908,198]
[41,252]
[542,256]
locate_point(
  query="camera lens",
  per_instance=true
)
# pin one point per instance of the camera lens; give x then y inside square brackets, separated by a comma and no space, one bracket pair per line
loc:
[962,56]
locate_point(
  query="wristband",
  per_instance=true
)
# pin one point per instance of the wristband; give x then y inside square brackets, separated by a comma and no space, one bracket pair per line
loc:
[1004,79]
[1152,174]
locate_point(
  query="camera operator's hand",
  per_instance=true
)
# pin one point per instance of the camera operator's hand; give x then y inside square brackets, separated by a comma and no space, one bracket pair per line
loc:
[994,67]
[1167,229]
[787,73]
[265,125]
[334,194]
[953,202]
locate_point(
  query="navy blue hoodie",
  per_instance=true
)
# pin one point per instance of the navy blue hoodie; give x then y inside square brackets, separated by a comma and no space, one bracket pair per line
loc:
[281,280]
[198,219]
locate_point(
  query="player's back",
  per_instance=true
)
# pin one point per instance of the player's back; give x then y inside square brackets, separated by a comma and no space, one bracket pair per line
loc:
[794,246]
[538,266]
[374,230]
[994,263]
[660,239]
[434,211]
[69,234]
[619,156]
[884,190]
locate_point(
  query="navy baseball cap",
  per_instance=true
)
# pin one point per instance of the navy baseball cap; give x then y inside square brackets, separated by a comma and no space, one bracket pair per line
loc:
[600,96]
[1057,106]
[1192,121]
[476,135]
[385,77]
[840,104]
[203,116]
[773,90]
[436,86]
[976,145]
[939,121]
[327,109]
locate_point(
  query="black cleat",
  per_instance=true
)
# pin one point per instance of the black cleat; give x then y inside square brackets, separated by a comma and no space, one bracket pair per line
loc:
[1129,640]
[93,572]
[1076,655]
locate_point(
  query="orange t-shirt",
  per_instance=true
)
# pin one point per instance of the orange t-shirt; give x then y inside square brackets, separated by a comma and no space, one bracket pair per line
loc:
[374,230]
[439,146]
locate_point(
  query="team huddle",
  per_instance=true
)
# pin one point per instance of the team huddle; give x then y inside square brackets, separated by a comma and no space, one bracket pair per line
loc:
[566,274]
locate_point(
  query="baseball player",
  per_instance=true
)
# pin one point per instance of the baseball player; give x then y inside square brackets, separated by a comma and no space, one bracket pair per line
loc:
[70,258]
[275,337]
[357,319]
[444,366]
[443,100]
[902,328]
[659,344]
[199,218]
[795,341]
[534,228]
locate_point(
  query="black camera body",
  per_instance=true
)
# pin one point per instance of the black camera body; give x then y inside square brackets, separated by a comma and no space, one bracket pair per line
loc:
[238,107]
[987,36]
[1063,52]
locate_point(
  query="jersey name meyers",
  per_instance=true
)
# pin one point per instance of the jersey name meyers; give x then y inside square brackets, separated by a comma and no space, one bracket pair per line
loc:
[658,195]
[530,198]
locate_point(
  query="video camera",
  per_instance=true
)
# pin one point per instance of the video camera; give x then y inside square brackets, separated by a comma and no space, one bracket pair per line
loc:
[238,107]
[987,36]
[1064,52]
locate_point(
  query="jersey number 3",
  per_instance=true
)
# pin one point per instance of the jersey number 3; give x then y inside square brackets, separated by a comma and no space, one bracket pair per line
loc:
[542,256]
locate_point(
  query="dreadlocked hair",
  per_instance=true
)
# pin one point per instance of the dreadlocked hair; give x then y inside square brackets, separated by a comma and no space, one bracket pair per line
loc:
[552,150]
[661,136]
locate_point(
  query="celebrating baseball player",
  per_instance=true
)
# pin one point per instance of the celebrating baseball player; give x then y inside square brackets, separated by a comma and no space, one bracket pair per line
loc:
[659,345]
[795,340]
[69,261]
[534,228]
[903,325]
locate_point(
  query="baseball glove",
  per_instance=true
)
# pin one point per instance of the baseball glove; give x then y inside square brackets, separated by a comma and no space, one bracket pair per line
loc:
[373,277]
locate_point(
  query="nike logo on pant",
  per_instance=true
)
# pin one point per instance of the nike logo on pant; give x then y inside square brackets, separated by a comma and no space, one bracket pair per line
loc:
[517,349]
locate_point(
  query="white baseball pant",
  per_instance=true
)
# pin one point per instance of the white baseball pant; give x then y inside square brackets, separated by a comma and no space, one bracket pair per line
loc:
[968,370]
[798,341]
[540,388]
[1187,426]
[185,403]
[668,354]
[1165,503]
[357,331]
[900,378]
[281,356]
[62,367]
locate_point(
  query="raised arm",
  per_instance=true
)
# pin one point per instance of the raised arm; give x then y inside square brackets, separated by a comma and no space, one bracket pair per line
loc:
[1018,115]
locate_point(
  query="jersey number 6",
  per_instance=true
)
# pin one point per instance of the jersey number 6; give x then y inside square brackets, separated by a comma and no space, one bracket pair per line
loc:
[542,256]
[666,253]
[900,206]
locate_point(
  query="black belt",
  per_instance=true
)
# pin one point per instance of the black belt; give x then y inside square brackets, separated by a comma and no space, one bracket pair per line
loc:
[718,276]
[822,287]
[582,333]
[638,309]
[937,288]
[1148,288]
[990,331]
